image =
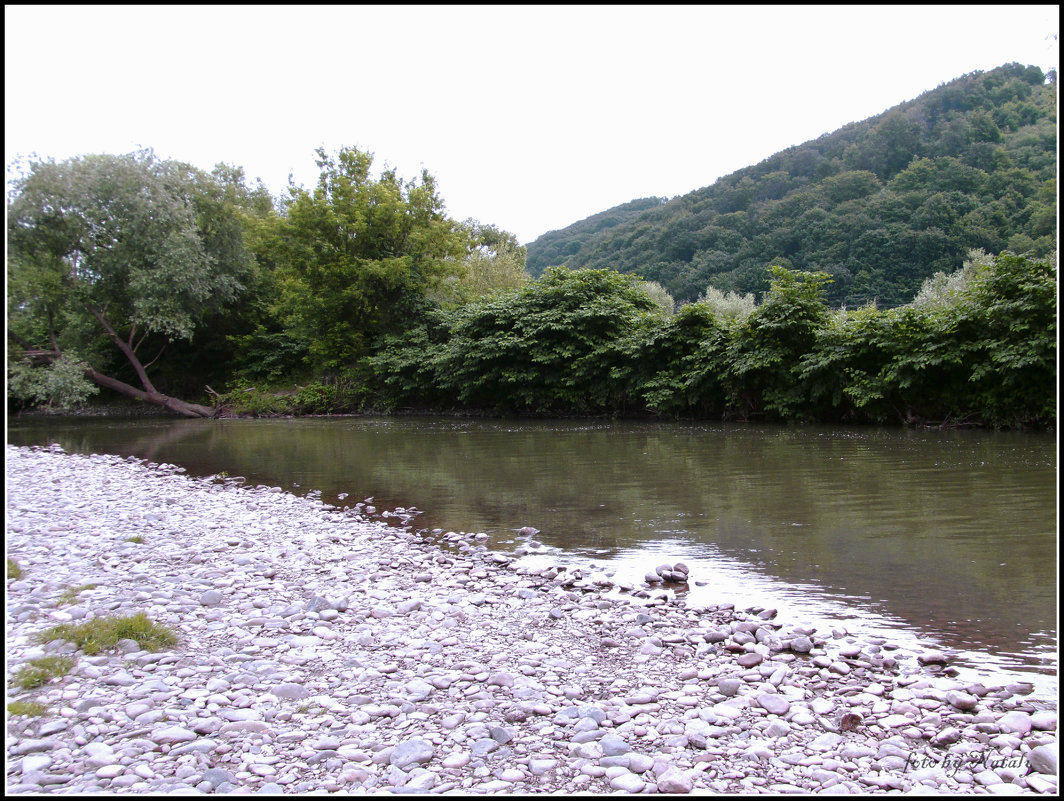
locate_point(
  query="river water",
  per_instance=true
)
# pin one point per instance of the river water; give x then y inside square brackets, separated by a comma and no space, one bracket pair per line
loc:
[939,538]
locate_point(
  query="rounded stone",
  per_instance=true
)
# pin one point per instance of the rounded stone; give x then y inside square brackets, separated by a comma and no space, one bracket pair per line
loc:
[1015,722]
[674,780]
[627,783]
[612,745]
[290,690]
[750,659]
[729,687]
[774,703]
[1043,759]
[411,752]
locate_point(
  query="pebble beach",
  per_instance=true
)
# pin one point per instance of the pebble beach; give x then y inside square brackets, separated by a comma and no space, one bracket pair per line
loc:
[323,650]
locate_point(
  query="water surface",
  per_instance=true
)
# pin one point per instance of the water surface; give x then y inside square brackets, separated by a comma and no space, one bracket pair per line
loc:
[946,537]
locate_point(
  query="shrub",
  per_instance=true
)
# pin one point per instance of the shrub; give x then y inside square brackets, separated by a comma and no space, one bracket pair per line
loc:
[29,709]
[103,634]
[38,672]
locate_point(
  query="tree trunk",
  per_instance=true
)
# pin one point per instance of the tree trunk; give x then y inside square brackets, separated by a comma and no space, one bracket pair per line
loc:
[149,393]
[173,404]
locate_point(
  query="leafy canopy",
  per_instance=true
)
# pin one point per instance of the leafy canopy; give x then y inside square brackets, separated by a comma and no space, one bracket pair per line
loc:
[357,254]
[145,242]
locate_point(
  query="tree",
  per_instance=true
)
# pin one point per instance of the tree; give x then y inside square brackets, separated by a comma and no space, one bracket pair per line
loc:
[494,264]
[119,251]
[358,254]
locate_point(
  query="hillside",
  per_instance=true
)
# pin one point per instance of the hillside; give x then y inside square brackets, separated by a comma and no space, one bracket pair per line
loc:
[880,204]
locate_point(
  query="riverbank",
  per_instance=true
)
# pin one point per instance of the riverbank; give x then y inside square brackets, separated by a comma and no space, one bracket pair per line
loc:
[320,651]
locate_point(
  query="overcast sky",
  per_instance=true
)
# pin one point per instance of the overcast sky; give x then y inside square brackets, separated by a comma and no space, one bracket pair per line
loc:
[529,117]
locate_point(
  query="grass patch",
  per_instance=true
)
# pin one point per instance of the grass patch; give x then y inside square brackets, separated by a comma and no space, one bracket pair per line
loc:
[104,633]
[137,538]
[13,570]
[28,709]
[70,594]
[38,672]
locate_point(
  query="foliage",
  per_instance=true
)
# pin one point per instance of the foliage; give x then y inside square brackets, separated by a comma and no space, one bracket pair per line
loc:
[29,709]
[268,358]
[121,249]
[660,295]
[14,570]
[101,634]
[70,594]
[729,306]
[331,395]
[879,205]
[550,347]
[682,362]
[975,346]
[60,385]
[494,264]
[141,240]
[357,254]
[764,355]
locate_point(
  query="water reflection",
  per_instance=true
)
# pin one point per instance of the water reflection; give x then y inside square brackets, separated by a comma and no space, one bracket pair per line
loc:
[947,534]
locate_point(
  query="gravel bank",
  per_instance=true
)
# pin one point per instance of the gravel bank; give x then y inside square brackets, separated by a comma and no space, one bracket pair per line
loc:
[322,652]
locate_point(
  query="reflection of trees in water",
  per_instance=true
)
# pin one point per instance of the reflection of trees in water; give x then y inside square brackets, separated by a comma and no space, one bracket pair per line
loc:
[919,522]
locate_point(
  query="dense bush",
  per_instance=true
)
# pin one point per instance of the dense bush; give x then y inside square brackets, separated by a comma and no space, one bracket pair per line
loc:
[978,346]
[555,346]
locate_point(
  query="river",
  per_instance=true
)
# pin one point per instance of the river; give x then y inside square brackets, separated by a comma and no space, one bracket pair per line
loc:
[947,538]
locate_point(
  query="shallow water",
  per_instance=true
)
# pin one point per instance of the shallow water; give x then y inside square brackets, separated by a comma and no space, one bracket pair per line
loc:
[948,538]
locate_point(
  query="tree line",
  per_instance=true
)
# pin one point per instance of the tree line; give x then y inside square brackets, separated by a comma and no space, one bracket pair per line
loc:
[976,347]
[201,293]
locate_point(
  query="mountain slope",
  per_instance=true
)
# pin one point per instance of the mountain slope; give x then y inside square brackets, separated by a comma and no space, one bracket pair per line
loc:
[879,204]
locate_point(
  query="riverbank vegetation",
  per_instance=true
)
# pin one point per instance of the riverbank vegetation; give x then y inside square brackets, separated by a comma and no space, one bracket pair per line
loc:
[160,282]
[975,347]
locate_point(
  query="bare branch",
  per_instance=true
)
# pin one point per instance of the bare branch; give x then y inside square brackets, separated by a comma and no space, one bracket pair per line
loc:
[160,353]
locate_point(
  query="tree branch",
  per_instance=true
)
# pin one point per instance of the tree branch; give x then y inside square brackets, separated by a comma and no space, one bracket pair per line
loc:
[127,351]
[140,342]
[160,353]
[21,341]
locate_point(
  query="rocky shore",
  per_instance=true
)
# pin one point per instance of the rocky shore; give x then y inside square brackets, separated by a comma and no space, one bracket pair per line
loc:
[321,652]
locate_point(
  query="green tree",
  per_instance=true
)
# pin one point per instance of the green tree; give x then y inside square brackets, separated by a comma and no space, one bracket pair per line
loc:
[357,256]
[121,250]
[494,264]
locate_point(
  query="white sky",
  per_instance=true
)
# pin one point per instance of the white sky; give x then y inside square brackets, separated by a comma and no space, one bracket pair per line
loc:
[529,117]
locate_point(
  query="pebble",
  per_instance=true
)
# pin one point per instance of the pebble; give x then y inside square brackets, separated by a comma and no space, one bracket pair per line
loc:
[322,652]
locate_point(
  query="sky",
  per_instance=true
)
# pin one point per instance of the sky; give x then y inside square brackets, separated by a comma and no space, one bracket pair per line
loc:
[530,118]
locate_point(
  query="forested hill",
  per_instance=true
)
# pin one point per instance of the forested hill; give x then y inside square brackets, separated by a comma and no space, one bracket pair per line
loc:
[880,205]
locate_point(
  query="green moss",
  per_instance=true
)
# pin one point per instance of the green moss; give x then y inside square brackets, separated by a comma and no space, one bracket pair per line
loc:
[13,569]
[38,672]
[137,538]
[29,709]
[103,634]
